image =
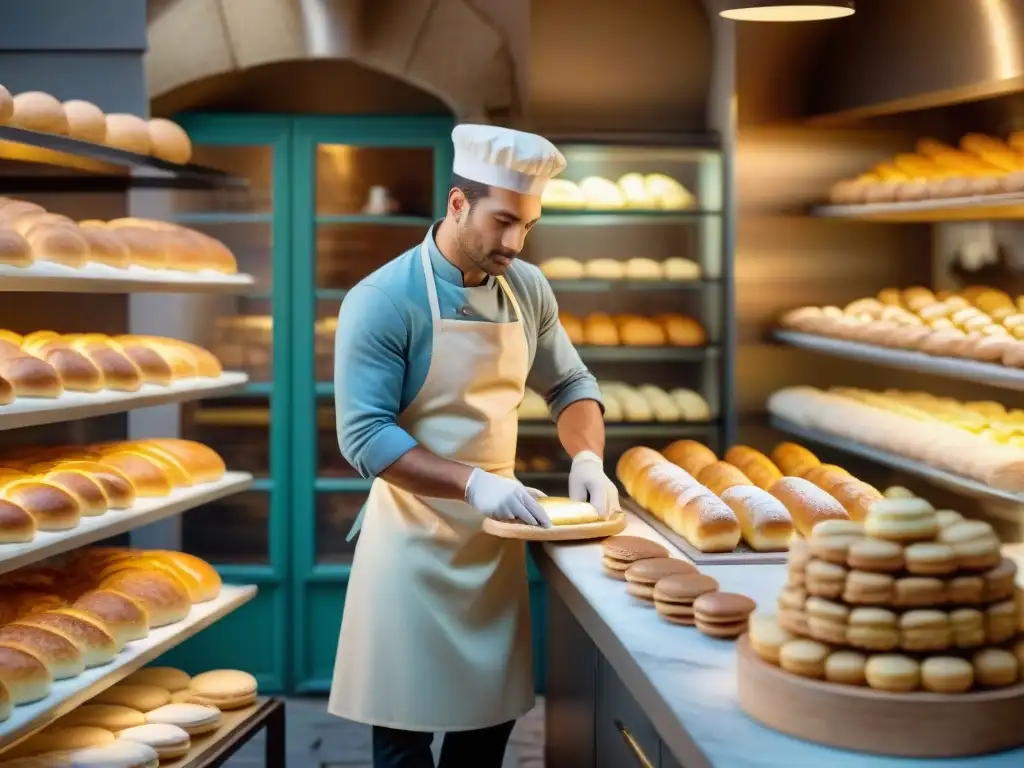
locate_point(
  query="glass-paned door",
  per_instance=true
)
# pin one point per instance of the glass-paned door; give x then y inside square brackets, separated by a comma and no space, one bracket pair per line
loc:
[367,189]
[246,536]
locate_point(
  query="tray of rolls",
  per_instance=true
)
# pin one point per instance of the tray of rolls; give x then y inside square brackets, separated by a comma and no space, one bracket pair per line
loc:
[630,192]
[746,508]
[638,270]
[599,329]
[625,403]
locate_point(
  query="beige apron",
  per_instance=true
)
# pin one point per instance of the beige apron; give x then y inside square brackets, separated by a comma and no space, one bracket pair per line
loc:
[435,634]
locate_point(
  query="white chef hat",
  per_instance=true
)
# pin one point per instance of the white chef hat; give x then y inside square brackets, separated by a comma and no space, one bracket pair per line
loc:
[502,157]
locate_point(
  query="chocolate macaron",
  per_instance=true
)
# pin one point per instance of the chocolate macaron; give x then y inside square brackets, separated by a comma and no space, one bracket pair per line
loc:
[620,552]
[643,575]
[674,596]
[723,614]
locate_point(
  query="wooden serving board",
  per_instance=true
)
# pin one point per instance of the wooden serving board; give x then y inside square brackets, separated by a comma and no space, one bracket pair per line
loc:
[739,556]
[598,530]
[921,725]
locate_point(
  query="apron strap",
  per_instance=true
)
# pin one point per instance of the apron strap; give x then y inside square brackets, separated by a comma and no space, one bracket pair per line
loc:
[428,275]
[511,297]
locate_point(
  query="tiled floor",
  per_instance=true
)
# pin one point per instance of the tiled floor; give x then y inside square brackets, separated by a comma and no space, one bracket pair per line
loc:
[318,740]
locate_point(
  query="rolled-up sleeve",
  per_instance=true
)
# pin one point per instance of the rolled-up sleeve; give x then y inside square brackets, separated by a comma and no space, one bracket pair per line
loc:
[558,373]
[370,354]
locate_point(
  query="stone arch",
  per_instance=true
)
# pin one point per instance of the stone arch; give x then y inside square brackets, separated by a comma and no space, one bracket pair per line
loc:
[444,47]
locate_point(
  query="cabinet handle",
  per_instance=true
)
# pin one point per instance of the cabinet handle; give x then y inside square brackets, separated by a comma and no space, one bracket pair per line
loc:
[638,753]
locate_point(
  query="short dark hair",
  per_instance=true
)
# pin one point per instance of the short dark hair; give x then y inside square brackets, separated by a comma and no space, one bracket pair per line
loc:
[473,190]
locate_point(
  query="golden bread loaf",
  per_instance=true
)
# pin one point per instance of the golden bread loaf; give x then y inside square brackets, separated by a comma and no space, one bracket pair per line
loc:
[806,503]
[38,111]
[754,464]
[23,673]
[62,657]
[765,523]
[129,133]
[690,455]
[793,459]
[721,476]
[169,141]
[124,616]
[15,250]
[164,596]
[86,121]
[88,633]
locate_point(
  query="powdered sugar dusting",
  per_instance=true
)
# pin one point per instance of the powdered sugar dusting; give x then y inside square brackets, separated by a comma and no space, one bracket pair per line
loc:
[764,508]
[805,500]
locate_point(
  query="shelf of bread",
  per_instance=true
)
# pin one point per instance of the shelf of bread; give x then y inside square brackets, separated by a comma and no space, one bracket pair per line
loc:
[39,242]
[598,330]
[973,448]
[162,712]
[75,630]
[745,507]
[37,127]
[564,272]
[982,178]
[630,406]
[909,602]
[97,278]
[632,192]
[976,326]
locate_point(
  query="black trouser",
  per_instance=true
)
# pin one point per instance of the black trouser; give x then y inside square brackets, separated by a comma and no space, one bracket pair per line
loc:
[483,748]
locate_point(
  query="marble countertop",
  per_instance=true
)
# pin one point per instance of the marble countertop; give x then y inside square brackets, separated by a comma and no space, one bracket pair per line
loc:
[685,681]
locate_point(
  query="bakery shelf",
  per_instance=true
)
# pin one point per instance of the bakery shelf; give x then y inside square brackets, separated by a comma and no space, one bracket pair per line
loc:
[236,728]
[647,354]
[951,367]
[1003,206]
[742,555]
[96,278]
[33,411]
[63,151]
[590,218]
[624,430]
[68,694]
[937,477]
[90,529]
[589,285]
[328,220]
[200,218]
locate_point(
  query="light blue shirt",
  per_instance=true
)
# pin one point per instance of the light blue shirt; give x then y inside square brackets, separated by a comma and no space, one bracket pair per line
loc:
[382,349]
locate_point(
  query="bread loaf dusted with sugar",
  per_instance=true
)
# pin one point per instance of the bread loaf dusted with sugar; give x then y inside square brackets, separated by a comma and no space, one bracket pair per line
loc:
[806,503]
[765,523]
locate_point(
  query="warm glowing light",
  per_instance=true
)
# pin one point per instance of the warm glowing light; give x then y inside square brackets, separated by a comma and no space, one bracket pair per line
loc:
[783,12]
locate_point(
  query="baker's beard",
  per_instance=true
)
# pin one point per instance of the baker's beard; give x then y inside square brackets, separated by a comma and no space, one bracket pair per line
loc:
[490,262]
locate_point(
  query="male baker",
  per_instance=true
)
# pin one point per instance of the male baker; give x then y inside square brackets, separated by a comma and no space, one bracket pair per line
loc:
[433,353]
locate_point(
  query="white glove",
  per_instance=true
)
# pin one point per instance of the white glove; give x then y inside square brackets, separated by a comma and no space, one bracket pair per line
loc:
[588,482]
[501,498]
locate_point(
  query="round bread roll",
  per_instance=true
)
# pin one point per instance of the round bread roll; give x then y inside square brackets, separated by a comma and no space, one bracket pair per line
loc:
[168,678]
[135,696]
[6,111]
[562,269]
[61,656]
[233,689]
[90,636]
[16,525]
[603,269]
[112,717]
[601,194]
[12,210]
[38,111]
[634,190]
[128,133]
[86,121]
[24,673]
[681,270]
[641,332]
[124,616]
[644,269]
[15,250]
[163,596]
[683,331]
[600,330]
[169,141]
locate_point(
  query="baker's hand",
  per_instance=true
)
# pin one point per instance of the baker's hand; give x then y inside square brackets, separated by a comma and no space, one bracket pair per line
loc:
[588,482]
[501,498]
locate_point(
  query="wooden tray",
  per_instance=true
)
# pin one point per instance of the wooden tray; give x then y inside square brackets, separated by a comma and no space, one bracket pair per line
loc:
[739,556]
[918,725]
[598,530]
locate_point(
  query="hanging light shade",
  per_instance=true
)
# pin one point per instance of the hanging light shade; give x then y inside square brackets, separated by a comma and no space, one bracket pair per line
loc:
[786,10]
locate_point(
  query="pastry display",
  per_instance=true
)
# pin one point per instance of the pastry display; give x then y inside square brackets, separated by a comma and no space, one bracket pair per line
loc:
[884,604]
[675,269]
[626,403]
[979,440]
[979,165]
[636,191]
[32,237]
[600,329]
[53,488]
[977,323]
[82,120]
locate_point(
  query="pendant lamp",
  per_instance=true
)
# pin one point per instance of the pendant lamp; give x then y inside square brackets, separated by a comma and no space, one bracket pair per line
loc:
[786,10]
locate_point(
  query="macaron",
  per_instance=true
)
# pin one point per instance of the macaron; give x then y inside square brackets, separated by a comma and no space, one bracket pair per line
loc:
[893,672]
[112,717]
[825,579]
[168,741]
[994,667]
[919,592]
[804,657]
[846,668]
[903,520]
[947,517]
[1001,621]
[873,629]
[674,596]
[975,544]
[827,620]
[767,637]
[137,696]
[169,678]
[830,540]
[794,622]
[194,719]
[925,630]
[799,555]
[642,575]
[876,555]
[228,689]
[968,627]
[187,697]
[119,754]
[868,588]
[947,674]
[723,615]
[999,582]
[929,558]
[620,552]
[965,590]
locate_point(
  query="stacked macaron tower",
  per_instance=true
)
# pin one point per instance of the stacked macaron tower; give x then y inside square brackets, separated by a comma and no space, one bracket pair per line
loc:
[911,599]
[151,716]
[676,588]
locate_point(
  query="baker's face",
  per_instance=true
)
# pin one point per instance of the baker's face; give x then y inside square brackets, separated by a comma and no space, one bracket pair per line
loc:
[492,230]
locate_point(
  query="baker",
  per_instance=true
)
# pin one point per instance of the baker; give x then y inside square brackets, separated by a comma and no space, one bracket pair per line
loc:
[433,353]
